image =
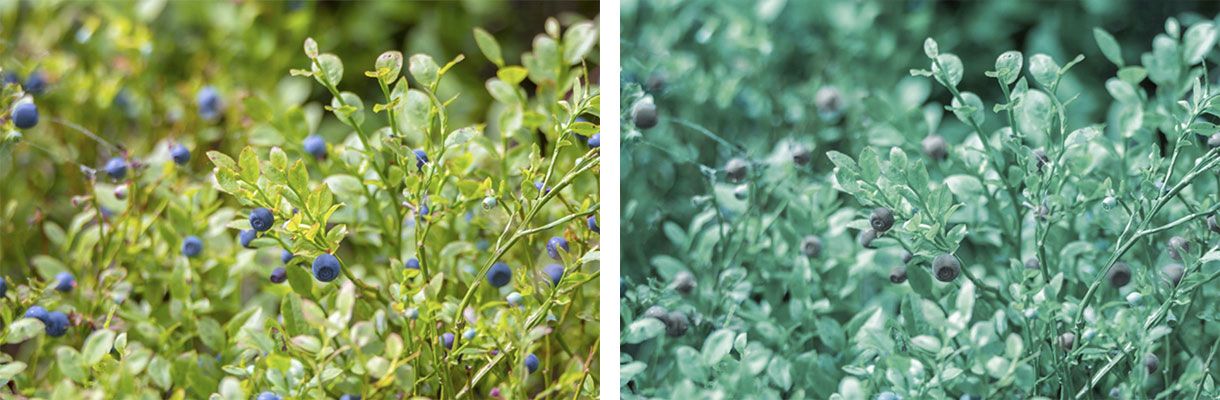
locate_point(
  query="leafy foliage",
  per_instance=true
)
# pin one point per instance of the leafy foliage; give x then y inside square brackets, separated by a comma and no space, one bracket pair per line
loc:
[1016,212]
[229,258]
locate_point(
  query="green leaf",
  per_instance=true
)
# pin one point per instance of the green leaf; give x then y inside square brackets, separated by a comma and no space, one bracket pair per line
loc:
[301,281]
[1109,46]
[1044,69]
[780,372]
[8,371]
[211,334]
[951,75]
[23,329]
[717,346]
[930,48]
[98,345]
[389,66]
[921,281]
[1199,40]
[424,69]
[512,75]
[489,46]
[311,48]
[578,41]
[461,136]
[328,70]
[643,329]
[1008,67]
[249,165]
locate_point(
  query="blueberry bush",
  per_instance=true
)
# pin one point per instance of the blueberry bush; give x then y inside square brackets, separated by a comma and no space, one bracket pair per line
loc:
[195,208]
[867,214]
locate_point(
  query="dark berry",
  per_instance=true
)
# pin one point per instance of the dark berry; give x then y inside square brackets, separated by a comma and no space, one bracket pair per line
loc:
[811,246]
[247,236]
[64,282]
[907,256]
[3,287]
[1174,273]
[349,397]
[736,169]
[192,246]
[1211,221]
[36,312]
[676,324]
[946,267]
[934,147]
[421,158]
[1119,275]
[1152,362]
[326,267]
[267,396]
[279,275]
[499,274]
[116,168]
[1041,159]
[56,324]
[413,263]
[531,363]
[286,256]
[829,102]
[595,141]
[801,155]
[1214,140]
[1067,341]
[592,221]
[555,272]
[866,238]
[36,83]
[261,219]
[315,146]
[447,340]
[684,282]
[208,101]
[898,274]
[1177,246]
[554,245]
[180,154]
[655,82]
[1033,263]
[644,114]
[25,115]
[882,219]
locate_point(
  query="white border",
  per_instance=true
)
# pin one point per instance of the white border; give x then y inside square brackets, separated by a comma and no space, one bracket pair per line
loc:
[609,218]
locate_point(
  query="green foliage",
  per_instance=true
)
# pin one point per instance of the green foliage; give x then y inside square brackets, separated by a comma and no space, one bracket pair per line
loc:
[1033,178]
[149,321]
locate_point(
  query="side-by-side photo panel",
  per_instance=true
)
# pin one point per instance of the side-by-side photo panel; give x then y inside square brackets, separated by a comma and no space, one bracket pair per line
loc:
[917,199]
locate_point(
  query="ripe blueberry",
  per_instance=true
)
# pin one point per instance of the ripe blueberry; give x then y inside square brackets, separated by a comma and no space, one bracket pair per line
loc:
[25,115]
[946,267]
[349,397]
[882,219]
[1134,298]
[1152,362]
[246,237]
[326,267]
[421,158]
[515,299]
[36,83]
[10,77]
[1109,202]
[1214,140]
[116,168]
[469,334]
[1041,159]
[554,245]
[413,263]
[1177,246]
[1033,263]
[1067,340]
[315,146]
[412,313]
[741,191]
[595,141]
[261,219]
[56,324]
[489,202]
[684,282]
[447,340]
[180,154]
[531,363]
[267,396]
[811,246]
[907,256]
[36,312]
[829,102]
[934,147]
[279,275]
[888,396]
[64,282]
[866,238]
[676,324]
[644,114]
[499,274]
[1211,221]
[1174,273]
[3,287]
[120,192]
[208,101]
[801,155]
[592,221]
[555,272]
[192,246]
[286,256]
[898,274]
[1119,275]
[655,82]
[736,169]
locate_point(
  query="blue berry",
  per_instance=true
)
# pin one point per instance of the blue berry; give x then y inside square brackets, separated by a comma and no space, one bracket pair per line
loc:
[596,140]
[279,275]
[25,115]
[541,188]
[36,83]
[412,313]
[553,246]
[489,202]
[64,282]
[3,287]
[515,299]
[447,340]
[349,397]
[11,77]
[246,237]
[592,220]
[180,154]
[36,312]
[116,168]
[267,396]
[56,324]
[326,268]
[888,396]
[192,246]
[208,101]
[469,334]
[499,274]
[315,146]
[413,263]
[286,256]
[555,271]
[261,219]
[531,362]
[421,158]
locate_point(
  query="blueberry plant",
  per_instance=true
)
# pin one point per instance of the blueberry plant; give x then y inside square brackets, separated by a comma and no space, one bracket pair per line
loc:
[963,246]
[362,248]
